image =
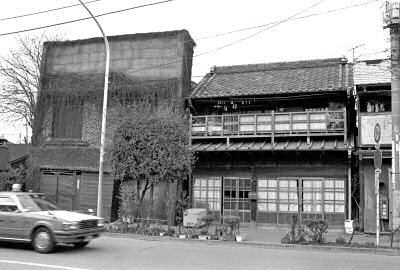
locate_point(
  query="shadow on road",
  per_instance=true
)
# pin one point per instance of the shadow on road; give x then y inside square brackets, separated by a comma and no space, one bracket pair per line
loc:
[59,248]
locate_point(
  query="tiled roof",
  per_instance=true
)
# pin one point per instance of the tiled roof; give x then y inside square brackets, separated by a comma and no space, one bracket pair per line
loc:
[317,145]
[275,78]
[372,72]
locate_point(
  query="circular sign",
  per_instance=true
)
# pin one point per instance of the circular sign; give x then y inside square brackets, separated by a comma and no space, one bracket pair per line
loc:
[377,132]
[378,158]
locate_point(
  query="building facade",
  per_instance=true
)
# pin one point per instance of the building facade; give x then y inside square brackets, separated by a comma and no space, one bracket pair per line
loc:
[372,90]
[66,137]
[272,140]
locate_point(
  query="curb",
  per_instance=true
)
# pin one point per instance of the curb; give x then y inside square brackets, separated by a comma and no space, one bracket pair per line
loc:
[322,248]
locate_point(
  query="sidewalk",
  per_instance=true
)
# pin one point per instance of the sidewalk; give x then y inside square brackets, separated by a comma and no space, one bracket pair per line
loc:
[270,237]
[273,235]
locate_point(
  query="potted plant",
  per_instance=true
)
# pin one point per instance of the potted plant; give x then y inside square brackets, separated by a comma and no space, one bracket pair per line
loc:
[231,229]
[204,235]
[206,220]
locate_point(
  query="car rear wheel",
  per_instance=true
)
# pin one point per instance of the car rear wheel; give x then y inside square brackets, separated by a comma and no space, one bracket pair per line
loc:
[81,244]
[43,241]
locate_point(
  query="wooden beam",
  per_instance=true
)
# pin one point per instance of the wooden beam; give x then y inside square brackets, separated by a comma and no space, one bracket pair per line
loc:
[195,146]
[298,144]
[273,145]
[208,145]
[262,145]
[217,146]
[251,145]
[240,144]
[286,145]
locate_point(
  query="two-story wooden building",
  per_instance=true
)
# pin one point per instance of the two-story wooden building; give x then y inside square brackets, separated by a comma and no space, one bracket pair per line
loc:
[272,140]
[372,91]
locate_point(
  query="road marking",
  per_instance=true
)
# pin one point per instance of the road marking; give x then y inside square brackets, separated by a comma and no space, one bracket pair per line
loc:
[43,265]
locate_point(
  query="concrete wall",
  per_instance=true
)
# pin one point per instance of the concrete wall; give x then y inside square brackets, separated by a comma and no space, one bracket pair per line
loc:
[91,126]
[140,57]
[135,58]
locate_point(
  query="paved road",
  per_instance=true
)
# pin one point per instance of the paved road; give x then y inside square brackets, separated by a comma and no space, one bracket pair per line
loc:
[123,252]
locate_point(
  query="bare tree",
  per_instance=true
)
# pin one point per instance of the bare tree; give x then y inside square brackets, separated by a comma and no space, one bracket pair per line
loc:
[20,76]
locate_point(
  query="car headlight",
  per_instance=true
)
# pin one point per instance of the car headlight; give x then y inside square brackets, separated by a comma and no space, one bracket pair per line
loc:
[100,222]
[70,226]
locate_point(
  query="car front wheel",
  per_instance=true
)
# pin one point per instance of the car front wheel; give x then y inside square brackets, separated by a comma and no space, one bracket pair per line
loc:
[43,241]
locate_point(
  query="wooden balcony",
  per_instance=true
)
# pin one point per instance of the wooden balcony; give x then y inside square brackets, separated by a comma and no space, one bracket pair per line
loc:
[271,125]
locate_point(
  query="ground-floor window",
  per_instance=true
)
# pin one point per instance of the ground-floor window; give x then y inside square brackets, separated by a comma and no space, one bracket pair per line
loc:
[313,197]
[207,194]
[277,198]
[334,195]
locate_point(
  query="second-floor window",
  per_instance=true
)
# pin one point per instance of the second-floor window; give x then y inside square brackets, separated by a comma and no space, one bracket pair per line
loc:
[67,118]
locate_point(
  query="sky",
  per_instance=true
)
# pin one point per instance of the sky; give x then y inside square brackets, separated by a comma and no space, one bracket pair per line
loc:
[226,32]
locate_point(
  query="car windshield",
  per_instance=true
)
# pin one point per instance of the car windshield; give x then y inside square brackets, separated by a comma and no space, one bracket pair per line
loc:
[35,202]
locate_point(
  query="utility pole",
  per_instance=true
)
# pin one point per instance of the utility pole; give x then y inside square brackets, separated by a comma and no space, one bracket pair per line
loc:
[104,118]
[353,49]
[391,20]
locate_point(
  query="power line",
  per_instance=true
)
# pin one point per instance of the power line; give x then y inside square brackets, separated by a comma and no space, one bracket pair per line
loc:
[156,66]
[44,11]
[83,19]
[261,31]
[274,24]
[292,19]
[230,44]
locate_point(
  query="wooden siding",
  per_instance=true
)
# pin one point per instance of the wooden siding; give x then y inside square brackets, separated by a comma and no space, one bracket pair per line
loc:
[88,190]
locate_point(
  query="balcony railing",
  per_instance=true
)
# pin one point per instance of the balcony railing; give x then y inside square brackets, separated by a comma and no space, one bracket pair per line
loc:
[282,124]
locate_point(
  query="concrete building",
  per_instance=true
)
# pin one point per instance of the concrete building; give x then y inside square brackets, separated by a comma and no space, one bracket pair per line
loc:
[66,135]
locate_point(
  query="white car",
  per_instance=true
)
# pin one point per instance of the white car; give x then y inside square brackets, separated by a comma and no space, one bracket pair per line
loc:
[29,217]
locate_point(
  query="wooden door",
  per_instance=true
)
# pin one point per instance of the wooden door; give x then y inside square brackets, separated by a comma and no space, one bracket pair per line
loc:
[236,198]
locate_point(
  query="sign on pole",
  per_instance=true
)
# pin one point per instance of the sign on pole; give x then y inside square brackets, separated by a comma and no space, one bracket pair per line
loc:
[377,164]
[377,133]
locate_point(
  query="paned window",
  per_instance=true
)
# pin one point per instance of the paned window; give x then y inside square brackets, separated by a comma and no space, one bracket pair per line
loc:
[287,195]
[334,195]
[244,189]
[312,195]
[207,193]
[267,194]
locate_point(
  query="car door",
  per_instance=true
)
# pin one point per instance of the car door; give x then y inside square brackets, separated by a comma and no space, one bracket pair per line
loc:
[8,218]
